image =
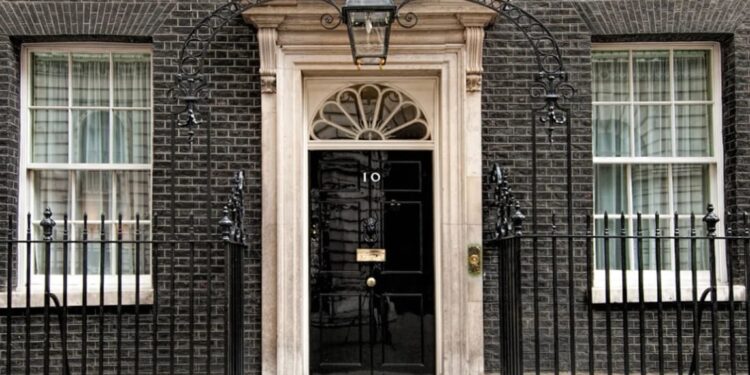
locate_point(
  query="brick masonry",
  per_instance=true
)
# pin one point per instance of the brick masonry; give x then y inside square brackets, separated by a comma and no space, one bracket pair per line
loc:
[508,69]
[235,119]
[506,114]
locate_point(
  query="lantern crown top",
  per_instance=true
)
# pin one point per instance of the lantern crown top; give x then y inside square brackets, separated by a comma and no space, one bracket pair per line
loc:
[370,3]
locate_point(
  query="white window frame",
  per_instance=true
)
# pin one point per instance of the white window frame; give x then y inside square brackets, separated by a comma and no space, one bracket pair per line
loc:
[716,167]
[26,198]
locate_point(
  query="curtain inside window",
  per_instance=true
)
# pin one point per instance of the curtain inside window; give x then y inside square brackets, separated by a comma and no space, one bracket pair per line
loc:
[92,108]
[692,81]
[610,71]
[49,83]
[132,83]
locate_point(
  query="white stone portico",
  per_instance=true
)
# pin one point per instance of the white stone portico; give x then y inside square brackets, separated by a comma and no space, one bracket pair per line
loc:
[443,53]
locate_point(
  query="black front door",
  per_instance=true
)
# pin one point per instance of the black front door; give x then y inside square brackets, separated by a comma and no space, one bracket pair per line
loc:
[370,315]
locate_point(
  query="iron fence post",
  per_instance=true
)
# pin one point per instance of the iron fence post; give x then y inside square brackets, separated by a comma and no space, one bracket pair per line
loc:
[234,309]
[47,225]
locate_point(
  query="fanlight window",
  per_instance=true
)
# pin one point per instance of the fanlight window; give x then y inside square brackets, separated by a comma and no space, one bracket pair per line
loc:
[370,112]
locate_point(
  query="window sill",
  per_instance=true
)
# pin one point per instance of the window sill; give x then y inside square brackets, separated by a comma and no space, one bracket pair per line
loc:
[669,294]
[75,298]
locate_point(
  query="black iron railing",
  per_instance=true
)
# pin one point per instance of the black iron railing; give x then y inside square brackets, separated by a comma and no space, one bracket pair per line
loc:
[649,299]
[136,299]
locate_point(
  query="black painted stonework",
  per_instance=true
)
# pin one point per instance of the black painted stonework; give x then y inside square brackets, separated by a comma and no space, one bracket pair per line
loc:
[509,68]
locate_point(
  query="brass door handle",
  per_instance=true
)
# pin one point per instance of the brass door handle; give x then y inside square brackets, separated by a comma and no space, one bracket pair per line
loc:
[371,282]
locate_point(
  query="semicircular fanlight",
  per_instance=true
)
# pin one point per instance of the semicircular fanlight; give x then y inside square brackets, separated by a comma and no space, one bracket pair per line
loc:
[369,112]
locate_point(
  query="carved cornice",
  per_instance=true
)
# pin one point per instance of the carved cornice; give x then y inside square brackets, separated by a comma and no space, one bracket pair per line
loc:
[268,36]
[474,39]
[474,47]
[439,22]
[267,42]
[296,24]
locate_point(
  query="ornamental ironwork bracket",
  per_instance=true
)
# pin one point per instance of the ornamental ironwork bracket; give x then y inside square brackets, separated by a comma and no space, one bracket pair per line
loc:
[509,217]
[233,216]
[191,86]
[332,21]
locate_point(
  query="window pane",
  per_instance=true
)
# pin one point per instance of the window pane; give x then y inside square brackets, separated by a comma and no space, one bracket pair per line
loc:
[651,70]
[93,191]
[132,137]
[129,250]
[650,189]
[653,130]
[90,136]
[49,79]
[648,245]
[694,130]
[94,249]
[55,252]
[614,244]
[132,194]
[691,188]
[611,189]
[612,127]
[610,71]
[49,136]
[701,246]
[691,70]
[132,80]
[90,79]
[50,190]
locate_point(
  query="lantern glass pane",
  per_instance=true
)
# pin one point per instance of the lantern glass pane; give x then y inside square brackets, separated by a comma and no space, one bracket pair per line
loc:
[369,31]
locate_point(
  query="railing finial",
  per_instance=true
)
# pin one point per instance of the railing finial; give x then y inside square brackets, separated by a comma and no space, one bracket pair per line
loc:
[226,224]
[711,219]
[47,224]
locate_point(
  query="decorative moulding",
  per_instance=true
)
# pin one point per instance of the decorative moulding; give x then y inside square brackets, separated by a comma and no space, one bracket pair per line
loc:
[474,35]
[267,43]
[295,50]
[297,23]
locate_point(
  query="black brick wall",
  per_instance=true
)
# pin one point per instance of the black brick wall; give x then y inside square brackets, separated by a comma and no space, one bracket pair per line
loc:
[235,118]
[508,70]
[509,67]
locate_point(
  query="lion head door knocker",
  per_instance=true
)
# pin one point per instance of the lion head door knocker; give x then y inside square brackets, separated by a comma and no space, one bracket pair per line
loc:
[370,230]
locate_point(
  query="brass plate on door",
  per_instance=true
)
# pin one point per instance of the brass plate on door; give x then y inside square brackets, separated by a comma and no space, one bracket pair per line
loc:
[370,255]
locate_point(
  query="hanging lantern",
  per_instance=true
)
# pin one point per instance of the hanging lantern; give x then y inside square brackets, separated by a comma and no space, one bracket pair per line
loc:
[369,24]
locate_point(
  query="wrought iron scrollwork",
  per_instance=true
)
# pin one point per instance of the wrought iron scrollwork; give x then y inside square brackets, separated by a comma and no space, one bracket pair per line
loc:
[233,217]
[406,20]
[545,46]
[191,83]
[332,21]
[552,87]
[509,217]
[551,84]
